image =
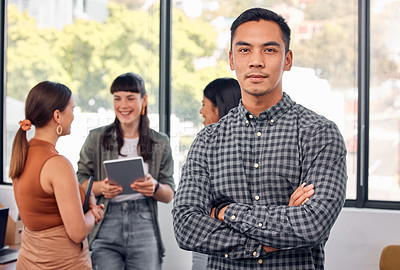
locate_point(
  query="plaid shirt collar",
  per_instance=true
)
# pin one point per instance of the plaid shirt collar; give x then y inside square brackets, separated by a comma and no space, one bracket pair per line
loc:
[273,113]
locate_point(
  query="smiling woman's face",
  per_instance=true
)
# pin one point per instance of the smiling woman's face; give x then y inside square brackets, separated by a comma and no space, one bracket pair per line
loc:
[128,106]
[209,112]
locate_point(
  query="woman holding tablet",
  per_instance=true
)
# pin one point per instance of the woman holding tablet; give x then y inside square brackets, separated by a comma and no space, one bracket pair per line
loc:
[129,236]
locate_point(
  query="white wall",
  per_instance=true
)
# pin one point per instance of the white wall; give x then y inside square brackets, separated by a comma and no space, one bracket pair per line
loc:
[356,239]
[175,258]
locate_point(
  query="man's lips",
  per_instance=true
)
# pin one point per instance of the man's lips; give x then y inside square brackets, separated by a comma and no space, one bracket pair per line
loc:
[256,77]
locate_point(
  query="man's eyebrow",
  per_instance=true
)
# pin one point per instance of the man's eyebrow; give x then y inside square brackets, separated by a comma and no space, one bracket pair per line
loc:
[270,43]
[242,43]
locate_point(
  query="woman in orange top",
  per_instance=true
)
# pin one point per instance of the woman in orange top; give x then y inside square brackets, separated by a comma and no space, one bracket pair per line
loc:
[47,193]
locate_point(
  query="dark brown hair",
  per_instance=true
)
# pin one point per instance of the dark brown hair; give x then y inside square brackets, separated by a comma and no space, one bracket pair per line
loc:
[43,99]
[223,93]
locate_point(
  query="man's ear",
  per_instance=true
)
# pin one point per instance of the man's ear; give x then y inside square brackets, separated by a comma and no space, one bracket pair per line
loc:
[288,60]
[232,66]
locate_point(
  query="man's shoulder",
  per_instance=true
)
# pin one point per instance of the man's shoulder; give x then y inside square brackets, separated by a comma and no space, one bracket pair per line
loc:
[309,117]
[310,122]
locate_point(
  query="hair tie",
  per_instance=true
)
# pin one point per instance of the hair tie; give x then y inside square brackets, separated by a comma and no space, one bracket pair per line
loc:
[25,125]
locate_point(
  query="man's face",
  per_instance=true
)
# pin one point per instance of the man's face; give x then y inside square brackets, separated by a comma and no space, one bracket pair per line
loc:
[258,57]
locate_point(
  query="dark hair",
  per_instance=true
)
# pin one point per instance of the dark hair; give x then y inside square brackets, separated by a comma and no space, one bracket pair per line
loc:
[257,14]
[223,93]
[41,102]
[130,82]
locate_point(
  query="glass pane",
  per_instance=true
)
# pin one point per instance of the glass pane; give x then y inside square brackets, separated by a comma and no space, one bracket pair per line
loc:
[323,78]
[84,45]
[384,147]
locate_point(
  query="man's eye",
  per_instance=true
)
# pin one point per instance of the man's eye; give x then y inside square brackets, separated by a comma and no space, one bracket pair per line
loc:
[270,50]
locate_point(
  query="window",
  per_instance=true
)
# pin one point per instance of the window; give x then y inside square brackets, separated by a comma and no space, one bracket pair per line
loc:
[346,67]
[84,45]
[384,106]
[323,77]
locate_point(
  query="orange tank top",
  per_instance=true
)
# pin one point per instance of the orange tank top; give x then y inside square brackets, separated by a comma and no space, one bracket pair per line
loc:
[37,208]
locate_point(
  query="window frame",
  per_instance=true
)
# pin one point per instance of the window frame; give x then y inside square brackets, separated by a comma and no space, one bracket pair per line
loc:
[2,84]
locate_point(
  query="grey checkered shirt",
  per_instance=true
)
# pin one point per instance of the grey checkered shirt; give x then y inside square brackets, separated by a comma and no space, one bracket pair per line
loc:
[255,164]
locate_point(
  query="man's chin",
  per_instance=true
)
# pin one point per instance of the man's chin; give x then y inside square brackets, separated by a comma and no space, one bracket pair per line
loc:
[256,92]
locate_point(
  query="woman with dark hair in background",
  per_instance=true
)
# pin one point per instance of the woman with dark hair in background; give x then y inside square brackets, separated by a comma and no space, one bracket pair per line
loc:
[219,97]
[129,235]
[47,193]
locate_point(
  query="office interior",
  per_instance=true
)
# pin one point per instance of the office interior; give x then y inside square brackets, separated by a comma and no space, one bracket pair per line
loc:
[346,67]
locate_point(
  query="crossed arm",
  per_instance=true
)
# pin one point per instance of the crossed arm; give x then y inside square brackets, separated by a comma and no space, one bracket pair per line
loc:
[245,229]
[299,197]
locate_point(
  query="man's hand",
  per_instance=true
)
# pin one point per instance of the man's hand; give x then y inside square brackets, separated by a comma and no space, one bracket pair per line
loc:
[301,195]
[220,213]
[269,249]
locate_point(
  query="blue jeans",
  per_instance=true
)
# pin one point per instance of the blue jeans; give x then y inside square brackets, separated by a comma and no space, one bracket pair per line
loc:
[126,239]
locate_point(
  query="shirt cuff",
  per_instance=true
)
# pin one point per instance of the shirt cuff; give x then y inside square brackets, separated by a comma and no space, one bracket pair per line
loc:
[250,250]
[236,217]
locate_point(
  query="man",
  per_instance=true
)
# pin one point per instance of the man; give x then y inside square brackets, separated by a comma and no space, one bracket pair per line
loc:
[246,166]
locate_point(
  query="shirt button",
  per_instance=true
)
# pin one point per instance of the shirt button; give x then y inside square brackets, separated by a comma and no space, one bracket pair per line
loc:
[256,197]
[259,134]
[226,255]
[260,224]
[233,217]
[260,261]
[255,165]
[272,120]
[247,122]
[255,253]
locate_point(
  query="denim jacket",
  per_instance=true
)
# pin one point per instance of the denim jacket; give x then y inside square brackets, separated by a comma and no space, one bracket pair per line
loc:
[161,166]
